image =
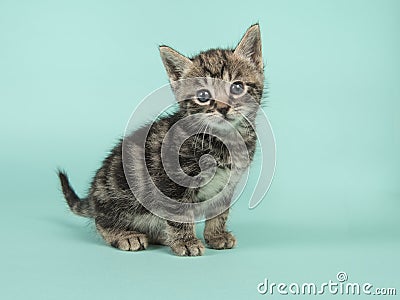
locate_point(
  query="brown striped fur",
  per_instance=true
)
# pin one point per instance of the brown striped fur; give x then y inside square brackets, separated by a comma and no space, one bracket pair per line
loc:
[120,218]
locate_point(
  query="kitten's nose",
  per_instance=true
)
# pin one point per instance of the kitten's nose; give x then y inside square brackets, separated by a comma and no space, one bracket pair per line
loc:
[222,108]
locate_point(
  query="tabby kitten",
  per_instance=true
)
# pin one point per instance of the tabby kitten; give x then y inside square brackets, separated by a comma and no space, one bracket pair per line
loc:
[117,197]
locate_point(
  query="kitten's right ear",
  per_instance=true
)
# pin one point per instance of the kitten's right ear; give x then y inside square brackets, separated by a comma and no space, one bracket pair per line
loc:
[174,62]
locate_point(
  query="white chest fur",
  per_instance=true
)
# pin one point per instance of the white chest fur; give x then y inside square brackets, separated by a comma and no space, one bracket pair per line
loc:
[222,183]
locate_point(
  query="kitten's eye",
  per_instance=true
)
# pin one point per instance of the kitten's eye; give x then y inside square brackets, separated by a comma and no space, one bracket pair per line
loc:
[237,88]
[203,95]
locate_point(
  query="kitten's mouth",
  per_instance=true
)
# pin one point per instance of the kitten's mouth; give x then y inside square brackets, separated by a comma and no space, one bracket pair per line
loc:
[225,122]
[221,118]
[230,118]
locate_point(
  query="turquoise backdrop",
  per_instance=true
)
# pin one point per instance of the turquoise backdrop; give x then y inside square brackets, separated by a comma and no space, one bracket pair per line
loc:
[71,73]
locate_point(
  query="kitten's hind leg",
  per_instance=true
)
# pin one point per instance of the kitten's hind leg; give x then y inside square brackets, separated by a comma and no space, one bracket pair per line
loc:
[126,240]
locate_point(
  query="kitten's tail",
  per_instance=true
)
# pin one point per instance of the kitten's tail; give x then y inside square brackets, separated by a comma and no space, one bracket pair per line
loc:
[81,207]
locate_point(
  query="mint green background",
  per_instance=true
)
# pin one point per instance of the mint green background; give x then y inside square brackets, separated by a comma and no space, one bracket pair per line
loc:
[71,73]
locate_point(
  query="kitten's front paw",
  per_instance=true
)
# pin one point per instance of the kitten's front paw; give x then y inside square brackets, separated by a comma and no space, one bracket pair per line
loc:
[188,248]
[133,242]
[223,240]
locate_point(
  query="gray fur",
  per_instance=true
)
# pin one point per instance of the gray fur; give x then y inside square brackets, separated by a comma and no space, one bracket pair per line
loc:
[120,218]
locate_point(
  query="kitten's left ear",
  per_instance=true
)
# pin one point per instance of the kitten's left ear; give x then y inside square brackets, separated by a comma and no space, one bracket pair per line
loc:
[174,62]
[250,46]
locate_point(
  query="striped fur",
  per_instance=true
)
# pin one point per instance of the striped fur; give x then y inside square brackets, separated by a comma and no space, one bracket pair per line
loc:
[120,218]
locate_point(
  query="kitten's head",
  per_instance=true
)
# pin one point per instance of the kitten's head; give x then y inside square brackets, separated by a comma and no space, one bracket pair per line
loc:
[224,85]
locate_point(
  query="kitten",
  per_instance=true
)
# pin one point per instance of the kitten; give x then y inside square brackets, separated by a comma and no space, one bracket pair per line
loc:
[121,187]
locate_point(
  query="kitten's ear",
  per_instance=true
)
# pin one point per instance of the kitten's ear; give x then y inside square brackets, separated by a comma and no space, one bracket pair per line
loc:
[250,46]
[174,62]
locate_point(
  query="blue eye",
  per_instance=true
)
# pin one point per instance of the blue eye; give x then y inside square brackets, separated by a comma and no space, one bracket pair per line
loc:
[237,88]
[203,95]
